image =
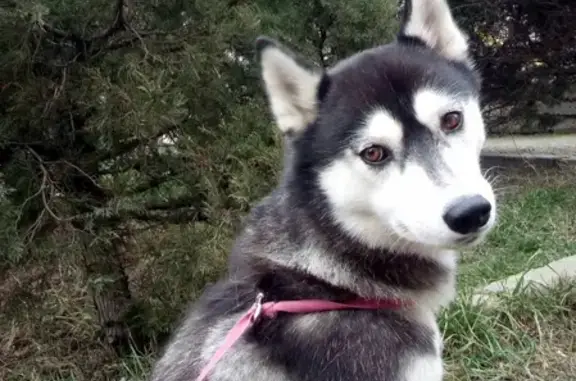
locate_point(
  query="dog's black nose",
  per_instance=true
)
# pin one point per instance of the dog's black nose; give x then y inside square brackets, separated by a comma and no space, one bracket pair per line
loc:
[468,214]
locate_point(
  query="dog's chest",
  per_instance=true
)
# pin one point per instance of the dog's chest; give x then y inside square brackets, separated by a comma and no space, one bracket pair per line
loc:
[424,368]
[427,367]
[353,346]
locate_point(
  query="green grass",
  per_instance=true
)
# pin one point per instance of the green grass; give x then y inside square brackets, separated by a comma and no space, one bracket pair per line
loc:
[526,337]
[535,227]
[49,332]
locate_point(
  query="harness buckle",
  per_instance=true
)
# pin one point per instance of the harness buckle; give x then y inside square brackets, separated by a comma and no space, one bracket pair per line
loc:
[257,307]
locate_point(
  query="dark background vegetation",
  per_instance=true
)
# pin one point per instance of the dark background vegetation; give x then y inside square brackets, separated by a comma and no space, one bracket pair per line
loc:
[134,135]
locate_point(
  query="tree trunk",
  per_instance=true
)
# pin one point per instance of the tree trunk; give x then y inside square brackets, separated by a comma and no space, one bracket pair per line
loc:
[108,284]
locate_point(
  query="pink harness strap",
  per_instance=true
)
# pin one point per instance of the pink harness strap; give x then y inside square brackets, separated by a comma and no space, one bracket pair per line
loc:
[271,309]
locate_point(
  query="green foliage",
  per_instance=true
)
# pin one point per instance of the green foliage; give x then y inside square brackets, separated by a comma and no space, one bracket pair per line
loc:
[89,99]
[330,30]
[524,52]
[133,138]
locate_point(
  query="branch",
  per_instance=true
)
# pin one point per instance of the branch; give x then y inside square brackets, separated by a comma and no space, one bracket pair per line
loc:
[184,202]
[58,90]
[320,45]
[174,216]
[82,172]
[138,37]
[122,13]
[153,183]
[323,21]
[180,210]
[46,183]
[132,144]
[67,36]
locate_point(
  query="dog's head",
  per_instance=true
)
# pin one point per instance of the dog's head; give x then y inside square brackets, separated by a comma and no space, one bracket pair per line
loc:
[389,139]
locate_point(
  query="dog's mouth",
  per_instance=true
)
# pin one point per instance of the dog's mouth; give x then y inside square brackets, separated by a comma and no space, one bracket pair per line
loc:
[469,240]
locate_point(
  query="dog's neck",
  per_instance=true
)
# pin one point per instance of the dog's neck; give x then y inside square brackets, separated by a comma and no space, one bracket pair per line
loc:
[285,237]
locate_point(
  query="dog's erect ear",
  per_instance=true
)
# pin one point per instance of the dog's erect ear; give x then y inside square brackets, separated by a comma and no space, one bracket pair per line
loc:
[293,90]
[431,22]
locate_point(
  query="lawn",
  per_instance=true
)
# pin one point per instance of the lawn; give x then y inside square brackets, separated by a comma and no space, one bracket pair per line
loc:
[525,337]
[49,334]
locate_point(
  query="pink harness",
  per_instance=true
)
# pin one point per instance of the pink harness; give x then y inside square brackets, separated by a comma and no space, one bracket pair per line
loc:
[271,309]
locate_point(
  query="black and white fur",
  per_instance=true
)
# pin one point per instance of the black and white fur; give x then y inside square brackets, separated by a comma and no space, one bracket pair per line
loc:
[339,228]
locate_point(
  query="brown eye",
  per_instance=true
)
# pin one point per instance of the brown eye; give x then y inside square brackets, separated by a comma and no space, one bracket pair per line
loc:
[451,121]
[374,154]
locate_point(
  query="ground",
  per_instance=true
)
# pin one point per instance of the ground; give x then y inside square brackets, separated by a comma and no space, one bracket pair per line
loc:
[49,333]
[554,145]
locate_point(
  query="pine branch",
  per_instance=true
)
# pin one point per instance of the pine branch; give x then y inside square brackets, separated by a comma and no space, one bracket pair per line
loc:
[86,47]
[178,216]
[184,202]
[162,214]
[132,144]
[153,183]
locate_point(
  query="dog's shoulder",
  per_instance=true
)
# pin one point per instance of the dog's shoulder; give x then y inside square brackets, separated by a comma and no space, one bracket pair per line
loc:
[183,355]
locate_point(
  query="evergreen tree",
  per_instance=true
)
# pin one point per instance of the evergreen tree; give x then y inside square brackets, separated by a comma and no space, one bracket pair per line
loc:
[120,116]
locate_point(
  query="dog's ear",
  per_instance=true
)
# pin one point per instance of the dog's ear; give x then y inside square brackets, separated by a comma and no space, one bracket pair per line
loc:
[431,22]
[293,90]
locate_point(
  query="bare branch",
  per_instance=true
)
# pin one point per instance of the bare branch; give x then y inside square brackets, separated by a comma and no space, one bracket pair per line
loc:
[46,184]
[57,91]
[91,178]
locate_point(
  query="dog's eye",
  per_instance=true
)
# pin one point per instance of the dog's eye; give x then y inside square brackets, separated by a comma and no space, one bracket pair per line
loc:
[374,154]
[451,121]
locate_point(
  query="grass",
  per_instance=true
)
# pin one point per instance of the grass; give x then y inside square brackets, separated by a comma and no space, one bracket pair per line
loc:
[49,332]
[528,337]
[535,227]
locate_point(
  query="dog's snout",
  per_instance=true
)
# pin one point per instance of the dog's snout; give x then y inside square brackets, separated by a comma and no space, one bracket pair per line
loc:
[468,214]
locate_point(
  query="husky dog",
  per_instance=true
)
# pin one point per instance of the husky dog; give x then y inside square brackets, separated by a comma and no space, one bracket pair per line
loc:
[381,184]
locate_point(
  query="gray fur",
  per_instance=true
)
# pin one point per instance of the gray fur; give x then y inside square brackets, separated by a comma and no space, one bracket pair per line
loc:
[291,247]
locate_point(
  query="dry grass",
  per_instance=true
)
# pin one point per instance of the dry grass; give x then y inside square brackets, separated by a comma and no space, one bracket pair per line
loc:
[48,322]
[49,331]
